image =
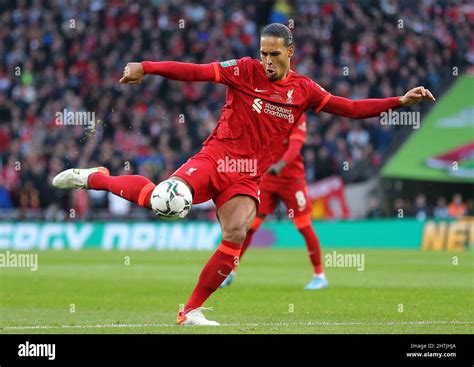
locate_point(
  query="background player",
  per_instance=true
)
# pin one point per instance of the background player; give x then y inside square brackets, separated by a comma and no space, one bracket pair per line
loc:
[285,180]
[264,99]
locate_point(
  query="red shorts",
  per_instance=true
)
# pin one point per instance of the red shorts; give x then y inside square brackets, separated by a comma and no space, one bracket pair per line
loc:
[294,193]
[212,177]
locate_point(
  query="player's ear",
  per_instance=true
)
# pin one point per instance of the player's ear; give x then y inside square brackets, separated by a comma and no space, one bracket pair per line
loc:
[291,50]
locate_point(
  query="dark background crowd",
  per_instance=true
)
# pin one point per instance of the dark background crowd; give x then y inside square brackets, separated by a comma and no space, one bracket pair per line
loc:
[63,54]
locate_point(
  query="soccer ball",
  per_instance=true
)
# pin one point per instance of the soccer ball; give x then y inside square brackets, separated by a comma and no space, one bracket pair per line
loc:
[171,200]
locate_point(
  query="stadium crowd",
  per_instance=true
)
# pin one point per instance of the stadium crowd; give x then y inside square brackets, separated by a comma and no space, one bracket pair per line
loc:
[68,55]
[421,209]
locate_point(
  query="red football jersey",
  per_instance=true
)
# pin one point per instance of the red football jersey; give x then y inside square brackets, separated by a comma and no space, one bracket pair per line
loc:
[295,169]
[260,114]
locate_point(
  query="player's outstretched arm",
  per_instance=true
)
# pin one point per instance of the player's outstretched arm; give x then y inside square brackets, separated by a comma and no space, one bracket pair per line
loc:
[366,108]
[134,72]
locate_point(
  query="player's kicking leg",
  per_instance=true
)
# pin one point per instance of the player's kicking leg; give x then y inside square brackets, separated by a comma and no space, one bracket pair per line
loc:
[135,188]
[76,178]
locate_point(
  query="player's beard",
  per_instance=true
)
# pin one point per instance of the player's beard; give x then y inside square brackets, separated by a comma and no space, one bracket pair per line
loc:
[275,75]
[272,75]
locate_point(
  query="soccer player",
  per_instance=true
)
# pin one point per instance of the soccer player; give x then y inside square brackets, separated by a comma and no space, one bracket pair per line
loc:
[285,180]
[264,100]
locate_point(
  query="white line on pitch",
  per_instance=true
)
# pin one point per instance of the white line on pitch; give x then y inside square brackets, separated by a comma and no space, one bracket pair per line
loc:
[310,323]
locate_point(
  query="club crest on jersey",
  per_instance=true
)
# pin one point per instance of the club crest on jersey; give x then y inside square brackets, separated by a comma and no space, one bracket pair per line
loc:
[228,63]
[289,96]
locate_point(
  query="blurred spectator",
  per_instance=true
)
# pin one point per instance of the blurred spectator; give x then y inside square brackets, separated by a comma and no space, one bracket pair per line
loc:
[457,209]
[375,211]
[421,211]
[441,210]
[470,208]
[310,164]
[323,164]
[5,200]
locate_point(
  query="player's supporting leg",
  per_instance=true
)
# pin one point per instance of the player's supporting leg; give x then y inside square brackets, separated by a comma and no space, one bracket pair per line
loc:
[134,188]
[303,224]
[259,219]
[235,217]
[253,228]
[248,239]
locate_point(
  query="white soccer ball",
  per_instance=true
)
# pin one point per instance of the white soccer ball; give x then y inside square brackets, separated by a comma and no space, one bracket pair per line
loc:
[171,200]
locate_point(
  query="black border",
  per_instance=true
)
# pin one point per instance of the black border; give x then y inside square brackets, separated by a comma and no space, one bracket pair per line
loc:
[133,347]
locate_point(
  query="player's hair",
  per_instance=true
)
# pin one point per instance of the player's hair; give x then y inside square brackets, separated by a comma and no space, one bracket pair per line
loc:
[278,30]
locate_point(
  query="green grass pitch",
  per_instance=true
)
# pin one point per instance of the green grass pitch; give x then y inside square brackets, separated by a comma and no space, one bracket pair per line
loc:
[398,292]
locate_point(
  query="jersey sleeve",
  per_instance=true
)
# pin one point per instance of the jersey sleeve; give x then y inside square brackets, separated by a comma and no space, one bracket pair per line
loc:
[319,97]
[299,131]
[232,72]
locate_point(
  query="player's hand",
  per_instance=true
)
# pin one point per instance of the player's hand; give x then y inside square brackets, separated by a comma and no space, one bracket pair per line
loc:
[276,168]
[416,95]
[133,73]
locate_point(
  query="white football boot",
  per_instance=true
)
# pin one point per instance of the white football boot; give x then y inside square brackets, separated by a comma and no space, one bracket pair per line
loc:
[195,318]
[76,178]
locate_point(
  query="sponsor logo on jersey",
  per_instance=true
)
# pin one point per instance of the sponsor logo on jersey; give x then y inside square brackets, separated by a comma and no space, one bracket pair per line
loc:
[257,105]
[273,110]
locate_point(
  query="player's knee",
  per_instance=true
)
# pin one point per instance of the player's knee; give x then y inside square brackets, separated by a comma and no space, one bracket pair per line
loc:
[234,234]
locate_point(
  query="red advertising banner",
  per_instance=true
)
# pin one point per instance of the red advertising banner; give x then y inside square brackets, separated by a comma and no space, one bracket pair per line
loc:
[327,199]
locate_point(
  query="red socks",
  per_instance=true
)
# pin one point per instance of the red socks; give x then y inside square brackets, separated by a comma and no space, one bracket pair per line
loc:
[314,248]
[215,271]
[134,188]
